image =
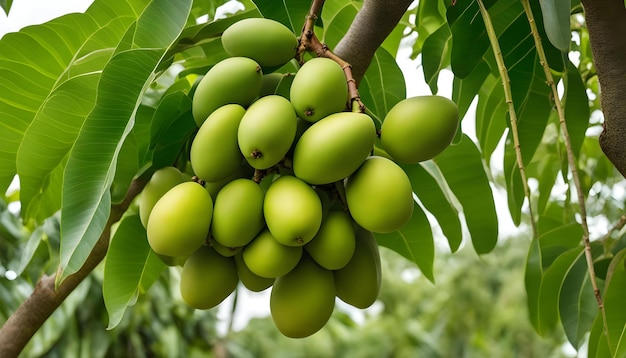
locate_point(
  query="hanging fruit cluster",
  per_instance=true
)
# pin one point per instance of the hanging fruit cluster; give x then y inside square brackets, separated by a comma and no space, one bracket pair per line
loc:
[286,192]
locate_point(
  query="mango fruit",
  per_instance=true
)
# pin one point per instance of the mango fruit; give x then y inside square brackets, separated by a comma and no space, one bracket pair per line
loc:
[302,301]
[237,213]
[161,181]
[292,210]
[266,257]
[244,170]
[379,195]
[419,128]
[267,131]
[249,279]
[233,80]
[333,245]
[179,222]
[319,88]
[358,282]
[214,153]
[266,41]
[334,147]
[207,278]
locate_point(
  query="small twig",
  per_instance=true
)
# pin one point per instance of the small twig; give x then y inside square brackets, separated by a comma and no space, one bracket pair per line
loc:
[310,43]
[571,159]
[506,84]
[608,246]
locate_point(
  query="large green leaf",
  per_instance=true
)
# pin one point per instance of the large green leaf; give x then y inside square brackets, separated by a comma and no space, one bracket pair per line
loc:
[464,90]
[551,285]
[340,17]
[576,105]
[556,19]
[430,16]
[429,189]
[614,293]
[290,13]
[130,268]
[491,114]
[577,303]
[37,62]
[532,281]
[463,169]
[436,55]
[414,241]
[383,84]
[91,164]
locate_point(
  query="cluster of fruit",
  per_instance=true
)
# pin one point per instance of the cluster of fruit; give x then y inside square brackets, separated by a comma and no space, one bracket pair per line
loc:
[286,192]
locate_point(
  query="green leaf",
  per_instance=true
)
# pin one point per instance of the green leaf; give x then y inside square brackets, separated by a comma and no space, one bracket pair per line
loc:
[130,268]
[556,19]
[491,114]
[414,241]
[430,192]
[598,347]
[430,16]
[6,5]
[464,90]
[614,293]
[577,303]
[532,282]
[436,55]
[290,13]
[468,36]
[465,174]
[91,165]
[383,84]
[340,17]
[550,289]
[576,105]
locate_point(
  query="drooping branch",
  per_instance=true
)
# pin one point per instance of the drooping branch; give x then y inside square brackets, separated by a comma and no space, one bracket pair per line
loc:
[606,22]
[44,300]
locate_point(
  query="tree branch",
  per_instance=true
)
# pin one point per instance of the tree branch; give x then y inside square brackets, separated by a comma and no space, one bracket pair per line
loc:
[32,313]
[606,22]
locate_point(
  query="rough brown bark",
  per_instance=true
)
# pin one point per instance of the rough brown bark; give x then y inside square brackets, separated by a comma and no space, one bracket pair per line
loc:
[28,318]
[370,28]
[606,22]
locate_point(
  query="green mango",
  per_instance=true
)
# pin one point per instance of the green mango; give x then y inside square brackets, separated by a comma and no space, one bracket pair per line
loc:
[292,210]
[244,170]
[419,128]
[319,88]
[333,245]
[214,153]
[160,182]
[302,301]
[266,131]
[238,213]
[234,80]
[358,282]
[207,278]
[379,195]
[179,222]
[267,41]
[266,257]
[249,279]
[334,147]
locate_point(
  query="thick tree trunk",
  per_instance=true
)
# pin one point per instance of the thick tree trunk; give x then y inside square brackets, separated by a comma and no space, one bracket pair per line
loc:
[606,21]
[28,318]
[370,28]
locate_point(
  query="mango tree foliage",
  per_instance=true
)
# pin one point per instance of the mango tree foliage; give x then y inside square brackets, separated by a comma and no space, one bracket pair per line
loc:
[93,103]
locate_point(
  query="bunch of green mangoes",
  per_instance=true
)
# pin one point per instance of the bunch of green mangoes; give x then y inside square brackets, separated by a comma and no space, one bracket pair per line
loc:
[286,193]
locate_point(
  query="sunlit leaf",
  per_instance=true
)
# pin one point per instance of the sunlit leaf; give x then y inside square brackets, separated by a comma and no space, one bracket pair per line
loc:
[91,165]
[129,263]
[463,169]
[436,55]
[491,114]
[414,241]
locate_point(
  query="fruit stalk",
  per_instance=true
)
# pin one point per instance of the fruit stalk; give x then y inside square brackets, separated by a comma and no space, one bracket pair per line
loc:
[309,42]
